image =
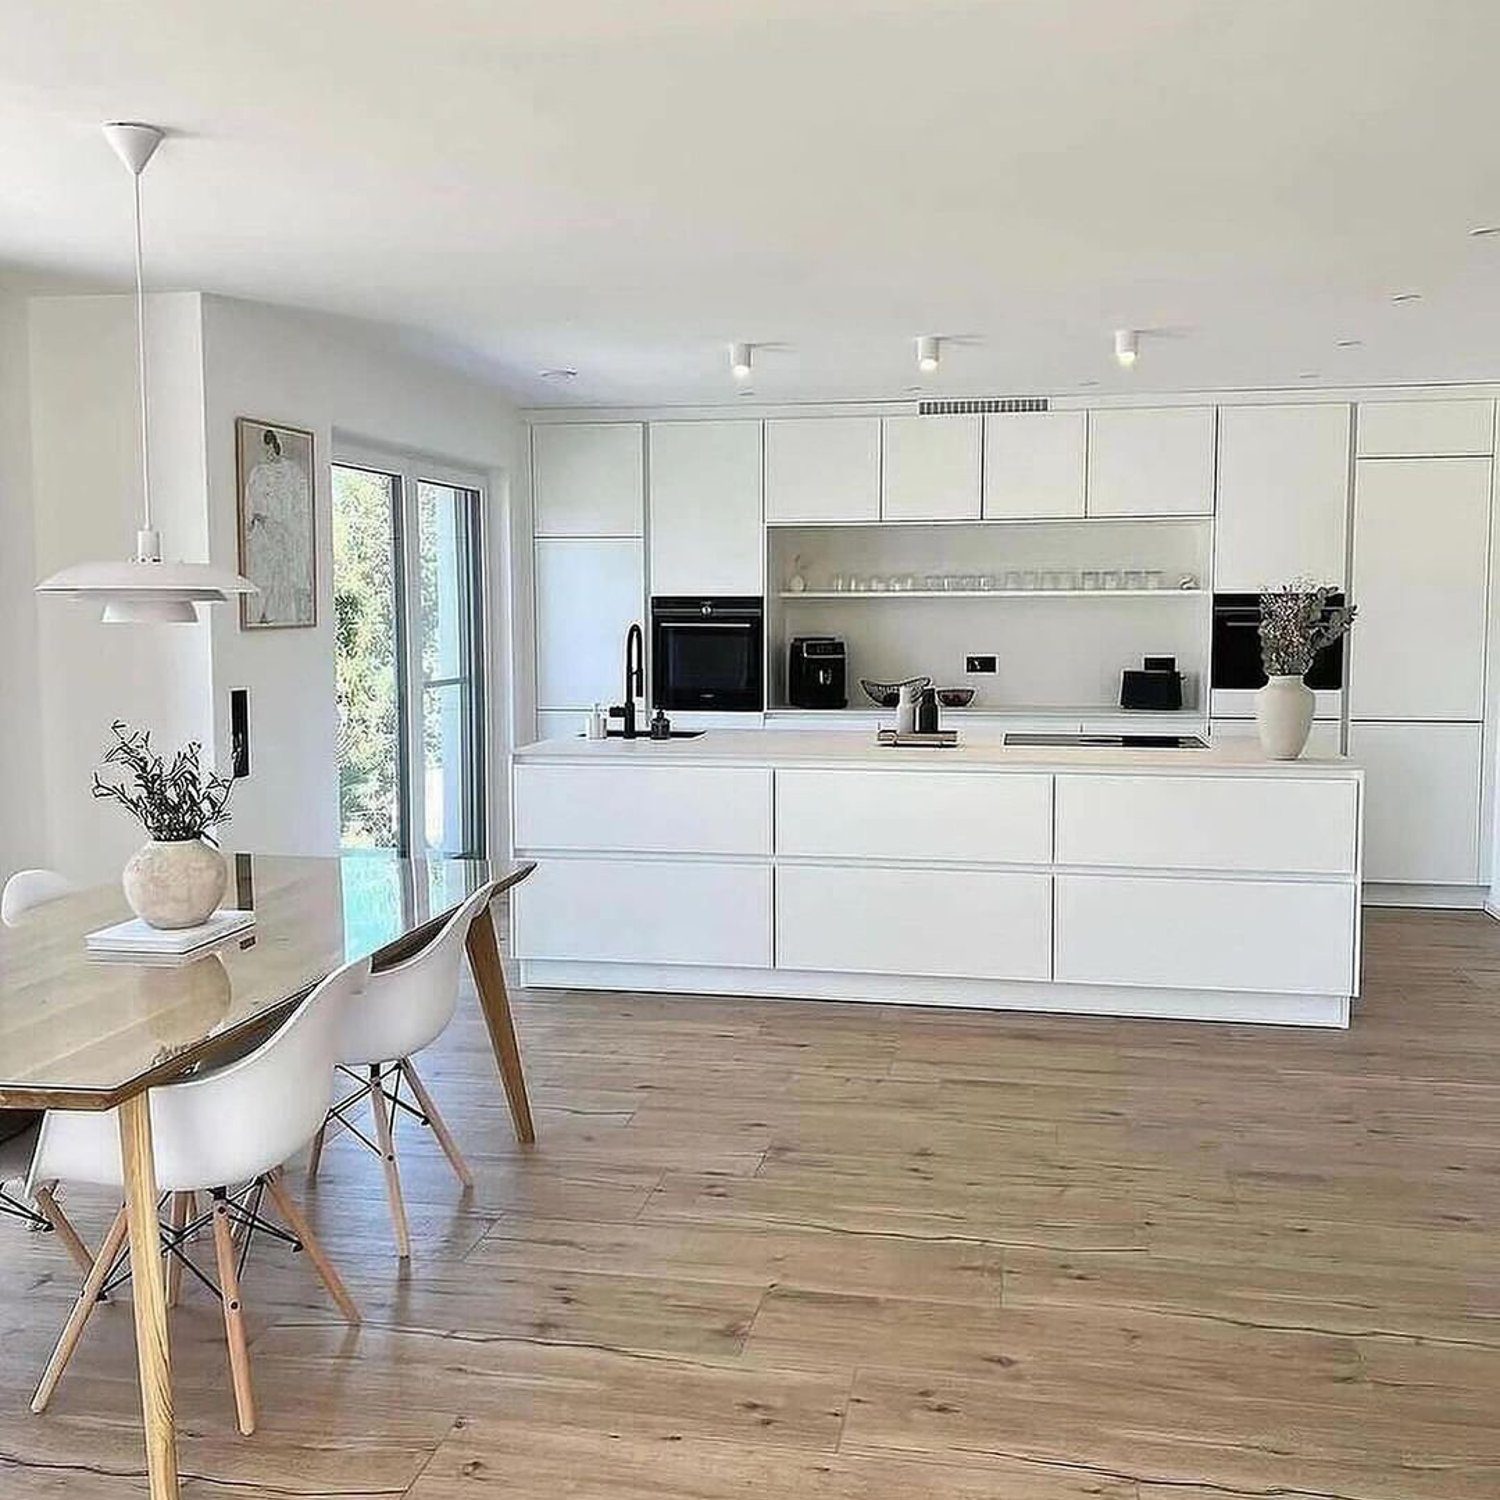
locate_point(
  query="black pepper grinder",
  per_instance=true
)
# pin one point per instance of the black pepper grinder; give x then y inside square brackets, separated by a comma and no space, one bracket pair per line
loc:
[927,712]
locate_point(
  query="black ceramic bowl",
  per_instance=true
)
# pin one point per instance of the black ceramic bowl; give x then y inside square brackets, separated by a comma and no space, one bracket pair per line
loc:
[888,694]
[955,697]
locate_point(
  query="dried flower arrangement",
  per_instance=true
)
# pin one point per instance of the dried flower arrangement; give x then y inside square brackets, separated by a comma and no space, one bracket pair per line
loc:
[172,802]
[1296,623]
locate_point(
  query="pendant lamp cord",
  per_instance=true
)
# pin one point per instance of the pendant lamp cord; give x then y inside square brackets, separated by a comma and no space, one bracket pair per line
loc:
[140,340]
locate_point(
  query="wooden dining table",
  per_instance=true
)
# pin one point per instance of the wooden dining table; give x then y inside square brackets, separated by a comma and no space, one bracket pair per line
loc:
[83,1032]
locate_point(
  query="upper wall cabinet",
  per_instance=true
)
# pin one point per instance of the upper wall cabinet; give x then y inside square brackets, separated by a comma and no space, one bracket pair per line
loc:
[1035,464]
[705,508]
[1151,461]
[822,469]
[1283,495]
[1426,429]
[930,469]
[588,479]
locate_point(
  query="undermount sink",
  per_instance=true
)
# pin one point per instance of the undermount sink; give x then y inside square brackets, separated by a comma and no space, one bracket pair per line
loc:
[676,734]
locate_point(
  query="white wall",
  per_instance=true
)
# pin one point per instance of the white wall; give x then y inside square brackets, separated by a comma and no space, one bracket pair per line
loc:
[22,821]
[336,379]
[86,500]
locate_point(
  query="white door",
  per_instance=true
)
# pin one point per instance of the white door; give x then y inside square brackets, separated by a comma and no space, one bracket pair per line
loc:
[930,469]
[706,535]
[588,479]
[1421,801]
[1283,495]
[588,594]
[1151,461]
[1035,464]
[822,469]
[1421,567]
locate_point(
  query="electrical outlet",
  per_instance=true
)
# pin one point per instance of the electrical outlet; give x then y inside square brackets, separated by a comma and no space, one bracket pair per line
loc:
[980,664]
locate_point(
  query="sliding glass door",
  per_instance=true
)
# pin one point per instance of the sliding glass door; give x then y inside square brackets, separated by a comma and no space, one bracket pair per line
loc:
[409,601]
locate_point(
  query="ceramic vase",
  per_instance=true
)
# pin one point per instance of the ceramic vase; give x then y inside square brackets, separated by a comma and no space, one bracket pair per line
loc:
[1283,717]
[175,884]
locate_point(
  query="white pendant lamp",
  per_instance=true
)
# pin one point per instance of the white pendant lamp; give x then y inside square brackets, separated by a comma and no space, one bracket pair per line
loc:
[146,591]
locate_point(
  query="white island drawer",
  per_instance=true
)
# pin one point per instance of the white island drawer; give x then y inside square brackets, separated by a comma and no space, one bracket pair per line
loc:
[645,912]
[1277,825]
[644,809]
[969,817]
[967,924]
[1292,937]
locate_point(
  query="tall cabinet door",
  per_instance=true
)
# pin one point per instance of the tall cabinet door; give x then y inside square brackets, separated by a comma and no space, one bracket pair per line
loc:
[705,508]
[1283,495]
[589,591]
[1421,554]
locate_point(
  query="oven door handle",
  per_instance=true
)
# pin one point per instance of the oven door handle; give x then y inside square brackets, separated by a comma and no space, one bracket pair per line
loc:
[706,625]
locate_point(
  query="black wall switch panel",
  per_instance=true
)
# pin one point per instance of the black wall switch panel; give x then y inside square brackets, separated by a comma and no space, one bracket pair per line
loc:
[239,732]
[981,664]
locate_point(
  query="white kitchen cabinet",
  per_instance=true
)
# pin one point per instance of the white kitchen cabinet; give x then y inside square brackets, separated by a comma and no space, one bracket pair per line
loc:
[1426,429]
[866,919]
[588,479]
[929,468]
[1208,823]
[1422,796]
[1151,461]
[1421,569]
[1275,937]
[822,469]
[645,912]
[1035,464]
[1325,739]
[706,533]
[588,594]
[918,815]
[1283,495]
[648,809]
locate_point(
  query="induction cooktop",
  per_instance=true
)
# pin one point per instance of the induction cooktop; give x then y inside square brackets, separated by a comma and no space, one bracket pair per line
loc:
[1112,741]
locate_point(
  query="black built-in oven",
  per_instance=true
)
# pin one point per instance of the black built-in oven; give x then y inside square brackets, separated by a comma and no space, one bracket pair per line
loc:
[1236,646]
[708,654]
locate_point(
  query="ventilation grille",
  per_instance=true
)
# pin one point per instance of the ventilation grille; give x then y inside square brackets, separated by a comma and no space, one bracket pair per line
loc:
[987,404]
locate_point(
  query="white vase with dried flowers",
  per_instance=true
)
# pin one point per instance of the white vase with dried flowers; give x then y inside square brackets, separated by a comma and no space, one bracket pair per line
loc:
[1296,623]
[177,878]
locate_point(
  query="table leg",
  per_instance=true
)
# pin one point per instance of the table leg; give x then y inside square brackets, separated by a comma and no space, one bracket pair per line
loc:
[489,980]
[148,1296]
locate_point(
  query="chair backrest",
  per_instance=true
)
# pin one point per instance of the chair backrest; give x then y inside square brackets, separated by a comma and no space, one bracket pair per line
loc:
[29,888]
[229,1124]
[409,1005]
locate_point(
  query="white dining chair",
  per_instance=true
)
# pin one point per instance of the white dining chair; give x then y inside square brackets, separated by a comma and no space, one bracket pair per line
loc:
[227,1126]
[24,891]
[403,1009]
[31,888]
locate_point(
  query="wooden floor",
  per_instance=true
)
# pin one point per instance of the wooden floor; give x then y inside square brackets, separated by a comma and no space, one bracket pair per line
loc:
[809,1250]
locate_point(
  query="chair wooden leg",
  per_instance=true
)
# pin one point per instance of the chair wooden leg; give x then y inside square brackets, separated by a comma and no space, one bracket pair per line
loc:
[179,1220]
[88,1297]
[234,1320]
[388,1156]
[315,1154]
[295,1220]
[439,1125]
[47,1206]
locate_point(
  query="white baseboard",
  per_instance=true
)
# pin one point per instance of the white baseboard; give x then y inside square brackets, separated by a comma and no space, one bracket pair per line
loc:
[1430,897]
[971,994]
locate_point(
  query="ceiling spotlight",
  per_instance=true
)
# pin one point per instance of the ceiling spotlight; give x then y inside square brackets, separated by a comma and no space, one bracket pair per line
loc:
[739,361]
[1127,346]
[927,354]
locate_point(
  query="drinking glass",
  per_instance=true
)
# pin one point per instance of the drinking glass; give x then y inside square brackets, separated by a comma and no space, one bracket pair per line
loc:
[1153,578]
[1109,578]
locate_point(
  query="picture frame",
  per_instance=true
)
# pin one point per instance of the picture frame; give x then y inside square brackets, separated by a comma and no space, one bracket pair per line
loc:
[276,511]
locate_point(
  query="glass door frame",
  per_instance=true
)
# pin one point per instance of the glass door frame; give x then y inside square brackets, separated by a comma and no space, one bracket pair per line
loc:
[409,471]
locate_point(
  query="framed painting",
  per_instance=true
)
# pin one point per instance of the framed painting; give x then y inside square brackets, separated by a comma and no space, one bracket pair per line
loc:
[277,531]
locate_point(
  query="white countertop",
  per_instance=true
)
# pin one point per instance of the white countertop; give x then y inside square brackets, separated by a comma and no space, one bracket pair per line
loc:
[1238,755]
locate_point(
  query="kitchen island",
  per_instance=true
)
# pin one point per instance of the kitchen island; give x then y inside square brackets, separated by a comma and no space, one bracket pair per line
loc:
[1204,883]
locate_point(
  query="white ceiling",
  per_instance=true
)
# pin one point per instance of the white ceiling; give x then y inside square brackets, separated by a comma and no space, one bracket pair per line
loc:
[624,186]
